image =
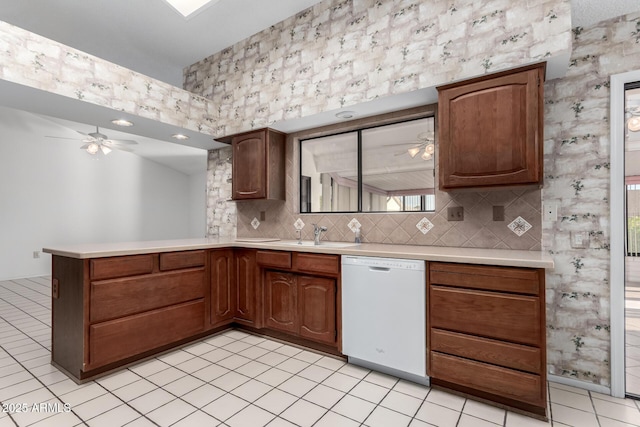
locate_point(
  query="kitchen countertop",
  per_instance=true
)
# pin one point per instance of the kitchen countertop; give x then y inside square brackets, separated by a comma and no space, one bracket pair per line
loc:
[504,257]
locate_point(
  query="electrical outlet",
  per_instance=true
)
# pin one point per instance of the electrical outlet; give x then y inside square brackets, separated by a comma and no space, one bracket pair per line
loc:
[55,288]
[455,214]
[36,254]
[550,212]
[498,213]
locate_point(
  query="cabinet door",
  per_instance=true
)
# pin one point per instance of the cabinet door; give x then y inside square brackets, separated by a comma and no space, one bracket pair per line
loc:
[246,281]
[317,308]
[249,166]
[280,298]
[222,286]
[490,130]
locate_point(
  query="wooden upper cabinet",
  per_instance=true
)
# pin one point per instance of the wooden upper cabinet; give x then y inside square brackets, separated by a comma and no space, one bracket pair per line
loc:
[491,130]
[259,165]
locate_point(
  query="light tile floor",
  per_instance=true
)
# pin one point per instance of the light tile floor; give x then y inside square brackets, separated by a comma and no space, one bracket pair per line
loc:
[239,380]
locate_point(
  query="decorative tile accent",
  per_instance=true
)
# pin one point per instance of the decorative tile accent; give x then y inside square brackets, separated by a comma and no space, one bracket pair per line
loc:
[255,223]
[354,225]
[299,224]
[519,226]
[424,225]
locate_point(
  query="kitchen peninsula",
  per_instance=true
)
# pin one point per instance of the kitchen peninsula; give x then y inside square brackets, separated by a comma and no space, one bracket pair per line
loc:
[116,303]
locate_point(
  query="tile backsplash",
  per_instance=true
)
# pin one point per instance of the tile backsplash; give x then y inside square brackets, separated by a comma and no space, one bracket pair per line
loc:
[522,215]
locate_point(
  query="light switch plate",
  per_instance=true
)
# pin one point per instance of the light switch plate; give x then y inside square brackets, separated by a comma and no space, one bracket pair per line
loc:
[580,239]
[550,212]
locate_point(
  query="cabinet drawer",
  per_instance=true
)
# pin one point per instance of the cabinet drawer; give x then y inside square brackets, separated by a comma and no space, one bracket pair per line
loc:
[274,259]
[507,279]
[501,353]
[121,297]
[508,317]
[118,339]
[176,260]
[313,263]
[480,376]
[109,268]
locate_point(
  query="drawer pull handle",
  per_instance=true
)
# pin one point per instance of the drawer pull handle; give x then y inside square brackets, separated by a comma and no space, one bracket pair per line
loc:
[248,192]
[380,269]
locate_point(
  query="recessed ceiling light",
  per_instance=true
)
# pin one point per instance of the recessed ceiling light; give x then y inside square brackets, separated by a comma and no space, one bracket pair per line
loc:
[345,114]
[122,122]
[179,136]
[189,7]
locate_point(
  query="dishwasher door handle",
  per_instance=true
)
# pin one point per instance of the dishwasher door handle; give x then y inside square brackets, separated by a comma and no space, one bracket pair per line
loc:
[381,269]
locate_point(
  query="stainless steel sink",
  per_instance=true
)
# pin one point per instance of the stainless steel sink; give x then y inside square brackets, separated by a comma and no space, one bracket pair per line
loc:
[310,243]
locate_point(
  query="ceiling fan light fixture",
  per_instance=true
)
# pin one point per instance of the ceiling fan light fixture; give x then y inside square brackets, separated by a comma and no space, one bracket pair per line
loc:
[105,150]
[429,149]
[426,156]
[413,151]
[634,124]
[122,122]
[93,148]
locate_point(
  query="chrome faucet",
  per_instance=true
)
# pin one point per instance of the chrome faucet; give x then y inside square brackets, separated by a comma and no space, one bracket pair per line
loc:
[317,231]
[299,233]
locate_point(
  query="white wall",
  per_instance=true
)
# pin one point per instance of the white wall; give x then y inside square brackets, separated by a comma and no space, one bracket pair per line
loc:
[52,193]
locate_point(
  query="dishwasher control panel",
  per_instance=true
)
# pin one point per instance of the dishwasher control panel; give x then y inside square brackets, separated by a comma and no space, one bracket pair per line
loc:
[403,264]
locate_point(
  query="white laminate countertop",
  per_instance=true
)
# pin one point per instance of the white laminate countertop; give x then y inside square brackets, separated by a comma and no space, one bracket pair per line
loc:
[505,257]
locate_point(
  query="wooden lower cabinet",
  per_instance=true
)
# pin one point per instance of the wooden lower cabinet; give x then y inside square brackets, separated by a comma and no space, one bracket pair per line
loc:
[317,308]
[301,304]
[280,307]
[129,336]
[113,310]
[223,289]
[487,335]
[247,290]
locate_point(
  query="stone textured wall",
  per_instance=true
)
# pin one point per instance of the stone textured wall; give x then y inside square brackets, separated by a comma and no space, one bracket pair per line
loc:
[221,215]
[577,158]
[34,61]
[345,52]
[576,140]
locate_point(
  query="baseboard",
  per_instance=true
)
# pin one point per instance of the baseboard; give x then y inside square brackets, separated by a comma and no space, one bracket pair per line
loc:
[579,384]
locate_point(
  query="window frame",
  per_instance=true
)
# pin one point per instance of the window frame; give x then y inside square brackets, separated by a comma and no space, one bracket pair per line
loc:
[358,129]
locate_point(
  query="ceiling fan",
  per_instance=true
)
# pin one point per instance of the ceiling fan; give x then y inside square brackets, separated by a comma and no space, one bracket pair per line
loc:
[424,143]
[98,143]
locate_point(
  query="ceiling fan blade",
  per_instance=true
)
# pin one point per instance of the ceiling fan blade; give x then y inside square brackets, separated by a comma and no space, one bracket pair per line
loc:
[123,141]
[61,137]
[82,133]
[119,148]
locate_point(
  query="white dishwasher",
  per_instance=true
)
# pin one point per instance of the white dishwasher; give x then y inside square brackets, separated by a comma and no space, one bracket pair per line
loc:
[384,315]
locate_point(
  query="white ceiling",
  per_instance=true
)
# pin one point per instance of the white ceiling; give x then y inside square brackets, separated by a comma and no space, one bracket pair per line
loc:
[150,37]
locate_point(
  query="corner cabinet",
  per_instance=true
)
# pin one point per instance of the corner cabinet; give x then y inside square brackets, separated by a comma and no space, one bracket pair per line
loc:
[258,165]
[491,130]
[486,333]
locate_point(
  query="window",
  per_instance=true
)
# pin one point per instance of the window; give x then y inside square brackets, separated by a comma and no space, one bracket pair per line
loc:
[387,168]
